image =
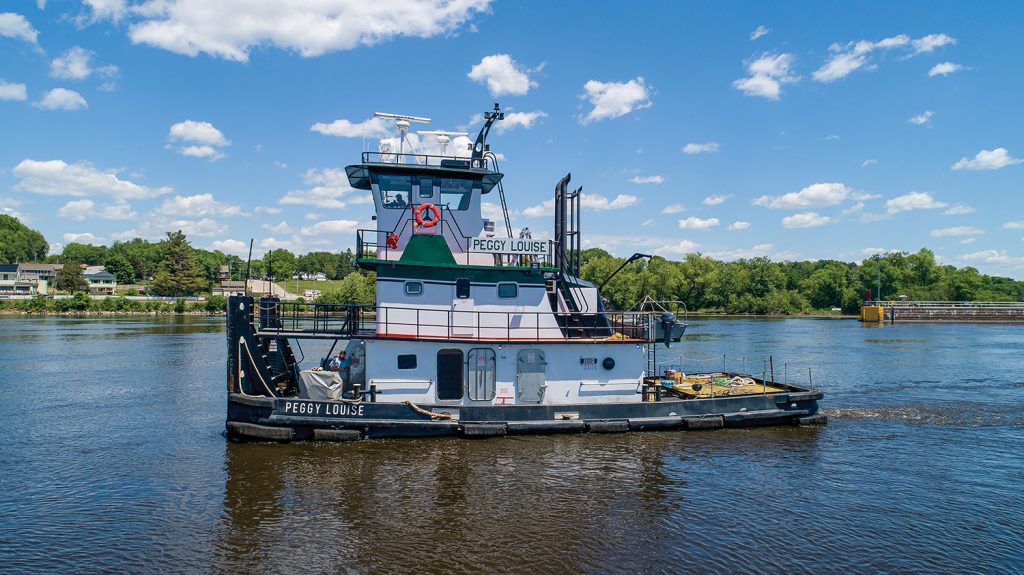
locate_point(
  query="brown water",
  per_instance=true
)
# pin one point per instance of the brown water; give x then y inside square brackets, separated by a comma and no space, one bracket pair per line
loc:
[113,460]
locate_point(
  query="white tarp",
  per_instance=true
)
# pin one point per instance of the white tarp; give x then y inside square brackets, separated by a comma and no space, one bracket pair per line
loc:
[320,384]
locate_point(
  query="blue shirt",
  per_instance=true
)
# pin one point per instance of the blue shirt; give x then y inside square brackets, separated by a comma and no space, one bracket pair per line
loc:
[340,364]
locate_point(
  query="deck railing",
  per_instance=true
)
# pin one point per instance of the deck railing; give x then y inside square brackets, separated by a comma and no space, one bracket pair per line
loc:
[316,320]
[950,304]
[445,161]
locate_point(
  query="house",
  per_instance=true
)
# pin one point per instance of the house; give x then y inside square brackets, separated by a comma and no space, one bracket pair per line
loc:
[223,274]
[12,282]
[46,272]
[229,287]
[101,282]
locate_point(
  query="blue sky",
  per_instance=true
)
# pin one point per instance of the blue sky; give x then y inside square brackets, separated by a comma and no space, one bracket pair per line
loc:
[791,130]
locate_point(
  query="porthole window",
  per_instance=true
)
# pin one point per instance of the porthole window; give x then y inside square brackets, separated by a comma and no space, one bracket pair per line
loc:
[508,290]
[413,288]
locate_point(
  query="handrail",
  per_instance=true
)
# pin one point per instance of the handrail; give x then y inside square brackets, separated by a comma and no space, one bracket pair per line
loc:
[949,304]
[395,158]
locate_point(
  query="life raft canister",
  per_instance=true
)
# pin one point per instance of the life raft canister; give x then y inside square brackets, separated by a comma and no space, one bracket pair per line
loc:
[419,215]
[393,241]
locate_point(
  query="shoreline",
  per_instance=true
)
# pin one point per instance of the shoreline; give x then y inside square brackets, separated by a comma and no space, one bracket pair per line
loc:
[126,313]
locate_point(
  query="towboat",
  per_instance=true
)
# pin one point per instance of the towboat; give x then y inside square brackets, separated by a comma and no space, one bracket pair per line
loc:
[474,333]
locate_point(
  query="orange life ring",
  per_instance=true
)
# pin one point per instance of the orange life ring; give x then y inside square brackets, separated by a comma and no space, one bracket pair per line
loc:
[427,223]
[393,241]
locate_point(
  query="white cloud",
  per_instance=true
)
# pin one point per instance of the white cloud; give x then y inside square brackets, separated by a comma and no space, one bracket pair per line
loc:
[62,99]
[648,222]
[72,65]
[372,128]
[957,231]
[922,118]
[58,178]
[958,210]
[805,220]
[199,205]
[281,227]
[10,91]
[681,247]
[203,228]
[759,250]
[328,186]
[869,162]
[14,25]
[945,69]
[614,99]
[231,247]
[768,74]
[968,241]
[674,209]
[853,56]
[599,202]
[513,120]
[716,199]
[82,238]
[993,257]
[201,152]
[85,209]
[502,75]
[267,210]
[191,27]
[700,148]
[759,32]
[988,160]
[647,179]
[331,227]
[1019,225]
[698,224]
[739,225]
[814,196]
[913,201]
[197,132]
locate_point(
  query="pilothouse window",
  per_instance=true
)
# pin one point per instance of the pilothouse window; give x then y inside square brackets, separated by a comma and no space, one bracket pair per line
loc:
[395,191]
[456,192]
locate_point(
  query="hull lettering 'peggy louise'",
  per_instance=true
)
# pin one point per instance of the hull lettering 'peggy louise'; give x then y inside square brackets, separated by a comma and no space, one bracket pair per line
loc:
[472,334]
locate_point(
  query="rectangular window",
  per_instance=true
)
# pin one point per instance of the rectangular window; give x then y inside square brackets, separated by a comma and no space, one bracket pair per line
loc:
[508,290]
[456,193]
[413,288]
[462,288]
[481,373]
[395,191]
[449,374]
[407,361]
[426,188]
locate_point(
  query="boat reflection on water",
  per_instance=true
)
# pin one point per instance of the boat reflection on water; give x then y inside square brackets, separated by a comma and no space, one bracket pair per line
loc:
[562,503]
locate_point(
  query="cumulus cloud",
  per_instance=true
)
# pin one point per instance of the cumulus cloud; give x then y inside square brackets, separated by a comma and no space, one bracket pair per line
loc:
[738,225]
[647,179]
[988,160]
[331,227]
[869,162]
[805,220]
[76,64]
[199,139]
[814,196]
[673,209]
[231,247]
[199,205]
[279,228]
[614,99]
[192,27]
[372,128]
[700,148]
[852,56]
[698,224]
[759,32]
[85,209]
[267,210]
[1019,225]
[945,69]
[958,210]
[759,250]
[58,178]
[62,99]
[922,118]
[681,247]
[768,73]
[516,120]
[327,188]
[716,199]
[82,238]
[10,91]
[913,201]
[502,75]
[13,25]
[590,201]
[957,231]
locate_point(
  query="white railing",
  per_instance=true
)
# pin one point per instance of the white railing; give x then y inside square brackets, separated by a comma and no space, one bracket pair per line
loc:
[950,304]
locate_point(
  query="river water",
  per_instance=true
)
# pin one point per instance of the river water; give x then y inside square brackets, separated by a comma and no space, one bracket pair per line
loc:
[112,459]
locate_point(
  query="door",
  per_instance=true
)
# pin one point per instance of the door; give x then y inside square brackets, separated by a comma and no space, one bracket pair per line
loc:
[449,374]
[530,367]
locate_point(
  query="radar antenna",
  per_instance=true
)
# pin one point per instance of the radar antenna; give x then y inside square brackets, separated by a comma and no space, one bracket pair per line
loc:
[442,137]
[480,146]
[402,123]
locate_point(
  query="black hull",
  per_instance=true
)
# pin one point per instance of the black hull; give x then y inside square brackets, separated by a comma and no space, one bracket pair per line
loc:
[289,419]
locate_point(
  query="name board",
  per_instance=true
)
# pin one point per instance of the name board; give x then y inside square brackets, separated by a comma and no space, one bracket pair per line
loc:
[522,247]
[320,408]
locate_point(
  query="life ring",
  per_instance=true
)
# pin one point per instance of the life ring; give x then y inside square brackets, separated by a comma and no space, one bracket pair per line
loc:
[392,241]
[419,215]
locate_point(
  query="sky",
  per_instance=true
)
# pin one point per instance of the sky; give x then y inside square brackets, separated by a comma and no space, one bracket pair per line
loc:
[788,130]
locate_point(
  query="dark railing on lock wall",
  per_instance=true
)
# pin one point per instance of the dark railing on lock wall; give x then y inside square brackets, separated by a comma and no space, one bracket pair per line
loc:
[295,319]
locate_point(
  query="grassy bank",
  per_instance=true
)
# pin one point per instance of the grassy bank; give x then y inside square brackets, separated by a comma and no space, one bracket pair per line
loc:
[81,304]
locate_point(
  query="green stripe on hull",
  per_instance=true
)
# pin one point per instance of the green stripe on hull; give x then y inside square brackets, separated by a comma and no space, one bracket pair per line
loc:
[475,274]
[427,249]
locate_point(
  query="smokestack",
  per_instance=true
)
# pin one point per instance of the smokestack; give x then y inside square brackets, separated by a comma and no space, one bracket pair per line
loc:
[561,230]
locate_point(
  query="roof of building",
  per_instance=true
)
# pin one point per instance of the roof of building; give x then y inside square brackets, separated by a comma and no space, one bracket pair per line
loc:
[94,269]
[7,268]
[99,275]
[33,267]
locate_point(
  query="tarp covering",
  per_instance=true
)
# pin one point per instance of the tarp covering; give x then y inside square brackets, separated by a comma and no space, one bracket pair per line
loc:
[320,384]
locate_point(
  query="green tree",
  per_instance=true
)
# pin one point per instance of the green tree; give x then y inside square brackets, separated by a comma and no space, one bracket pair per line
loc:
[178,273]
[87,254]
[121,268]
[142,255]
[19,243]
[280,264]
[71,278]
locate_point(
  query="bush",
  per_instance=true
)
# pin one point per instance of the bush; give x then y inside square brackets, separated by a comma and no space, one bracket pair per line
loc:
[179,306]
[216,303]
